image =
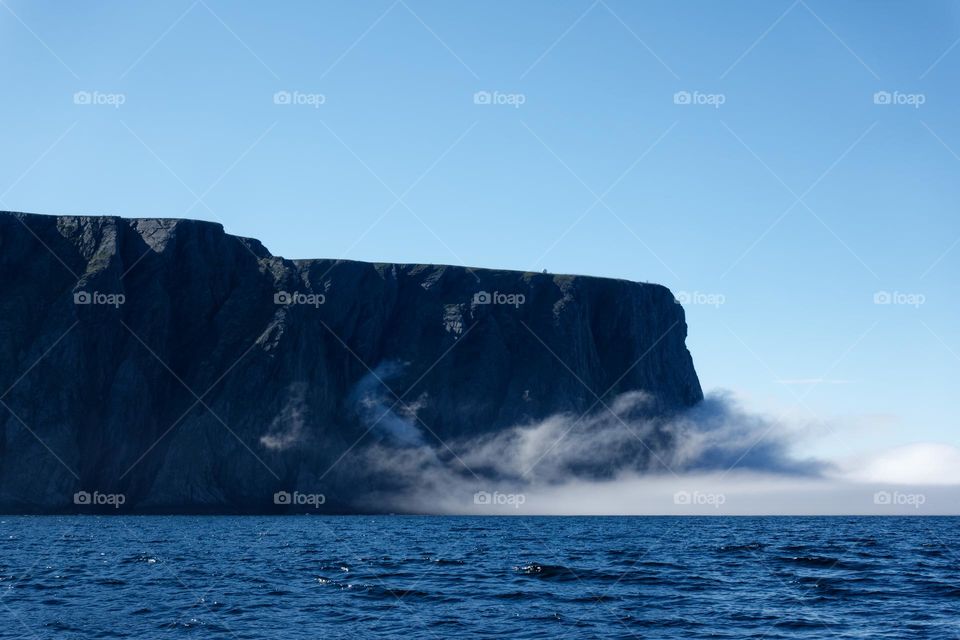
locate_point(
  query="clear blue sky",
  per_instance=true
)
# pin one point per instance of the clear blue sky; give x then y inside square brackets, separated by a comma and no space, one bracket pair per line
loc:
[793,202]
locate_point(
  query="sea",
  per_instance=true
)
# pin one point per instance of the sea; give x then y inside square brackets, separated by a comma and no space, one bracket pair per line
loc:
[479,577]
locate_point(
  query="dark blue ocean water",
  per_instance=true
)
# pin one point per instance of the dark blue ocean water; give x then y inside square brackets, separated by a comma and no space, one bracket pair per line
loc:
[442,577]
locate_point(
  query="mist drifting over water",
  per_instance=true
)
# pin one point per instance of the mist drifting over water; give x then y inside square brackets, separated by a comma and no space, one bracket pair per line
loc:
[715,458]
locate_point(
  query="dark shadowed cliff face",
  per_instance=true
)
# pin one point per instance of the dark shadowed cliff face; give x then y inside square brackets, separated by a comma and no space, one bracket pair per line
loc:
[185,369]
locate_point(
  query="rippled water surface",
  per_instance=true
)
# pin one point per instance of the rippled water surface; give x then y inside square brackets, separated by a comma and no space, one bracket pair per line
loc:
[442,577]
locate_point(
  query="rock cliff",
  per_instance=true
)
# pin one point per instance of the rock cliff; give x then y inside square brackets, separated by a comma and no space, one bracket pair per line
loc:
[184,369]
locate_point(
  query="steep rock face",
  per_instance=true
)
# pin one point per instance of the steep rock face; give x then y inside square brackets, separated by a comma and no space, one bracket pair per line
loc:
[189,370]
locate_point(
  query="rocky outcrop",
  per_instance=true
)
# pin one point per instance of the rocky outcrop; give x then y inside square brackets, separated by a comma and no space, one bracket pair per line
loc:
[176,368]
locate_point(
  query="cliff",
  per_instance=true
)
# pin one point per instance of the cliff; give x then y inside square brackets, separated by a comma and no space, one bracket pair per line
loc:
[188,370]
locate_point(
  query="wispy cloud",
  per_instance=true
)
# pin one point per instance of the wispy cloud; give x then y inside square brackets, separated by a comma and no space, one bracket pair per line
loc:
[568,451]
